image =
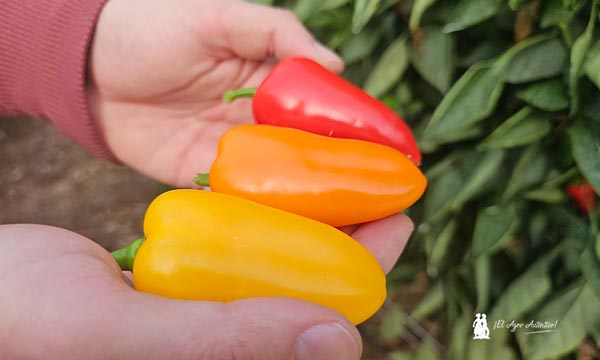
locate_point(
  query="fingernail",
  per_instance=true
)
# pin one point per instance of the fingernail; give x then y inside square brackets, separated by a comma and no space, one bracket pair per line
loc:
[329,341]
[327,55]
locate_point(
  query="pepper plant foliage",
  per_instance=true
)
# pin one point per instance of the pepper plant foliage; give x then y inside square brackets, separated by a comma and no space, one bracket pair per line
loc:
[504,99]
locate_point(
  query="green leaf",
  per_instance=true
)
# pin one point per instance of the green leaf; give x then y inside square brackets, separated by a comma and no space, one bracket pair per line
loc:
[446,164]
[427,351]
[460,340]
[562,177]
[483,276]
[404,93]
[459,296]
[363,11]
[471,12]
[537,225]
[402,273]
[494,348]
[524,127]
[418,9]
[548,95]
[389,68]
[527,290]
[590,105]
[486,170]
[597,246]
[571,260]
[540,57]
[590,265]
[400,355]
[579,51]
[434,57]
[470,100]
[494,225]
[577,229]
[577,311]
[441,247]
[430,303]
[515,4]
[360,46]
[555,12]
[529,170]
[392,324]
[439,195]
[487,50]
[548,195]
[427,143]
[592,66]
[585,144]
[305,9]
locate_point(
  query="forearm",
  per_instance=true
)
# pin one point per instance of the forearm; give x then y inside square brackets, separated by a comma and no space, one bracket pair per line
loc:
[43,55]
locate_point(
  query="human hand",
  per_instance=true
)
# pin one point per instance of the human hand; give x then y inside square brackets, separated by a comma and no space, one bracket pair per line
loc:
[64,297]
[158,71]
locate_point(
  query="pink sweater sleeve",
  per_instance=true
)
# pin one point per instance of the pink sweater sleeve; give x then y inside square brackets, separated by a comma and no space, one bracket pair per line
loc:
[43,55]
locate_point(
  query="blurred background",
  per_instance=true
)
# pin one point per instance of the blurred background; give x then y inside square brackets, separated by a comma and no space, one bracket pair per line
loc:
[504,99]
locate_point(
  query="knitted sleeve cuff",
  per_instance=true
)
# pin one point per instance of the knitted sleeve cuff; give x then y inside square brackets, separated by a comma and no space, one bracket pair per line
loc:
[43,61]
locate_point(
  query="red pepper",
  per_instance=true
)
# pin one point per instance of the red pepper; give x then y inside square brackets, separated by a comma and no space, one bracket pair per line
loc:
[299,93]
[584,196]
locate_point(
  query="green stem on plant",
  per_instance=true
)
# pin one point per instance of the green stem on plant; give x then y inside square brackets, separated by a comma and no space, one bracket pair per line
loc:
[126,255]
[202,179]
[232,95]
[564,29]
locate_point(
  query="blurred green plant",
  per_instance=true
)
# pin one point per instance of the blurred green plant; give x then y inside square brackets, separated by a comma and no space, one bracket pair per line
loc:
[504,98]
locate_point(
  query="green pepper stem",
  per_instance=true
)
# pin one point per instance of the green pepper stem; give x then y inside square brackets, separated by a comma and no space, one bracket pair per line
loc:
[232,95]
[126,255]
[202,179]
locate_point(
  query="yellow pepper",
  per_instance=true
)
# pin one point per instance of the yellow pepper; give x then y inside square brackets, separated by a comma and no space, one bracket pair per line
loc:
[208,246]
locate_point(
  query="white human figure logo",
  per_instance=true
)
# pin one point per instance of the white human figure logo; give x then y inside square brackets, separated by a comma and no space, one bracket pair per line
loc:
[480,328]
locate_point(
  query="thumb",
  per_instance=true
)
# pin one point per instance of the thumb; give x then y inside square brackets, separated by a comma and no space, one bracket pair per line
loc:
[257,32]
[260,328]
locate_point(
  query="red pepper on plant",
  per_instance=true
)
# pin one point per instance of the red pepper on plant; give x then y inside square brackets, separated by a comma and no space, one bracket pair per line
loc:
[583,194]
[299,93]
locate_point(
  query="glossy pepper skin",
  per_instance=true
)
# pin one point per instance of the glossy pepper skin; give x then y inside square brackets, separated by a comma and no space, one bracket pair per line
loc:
[208,246]
[335,181]
[583,194]
[302,94]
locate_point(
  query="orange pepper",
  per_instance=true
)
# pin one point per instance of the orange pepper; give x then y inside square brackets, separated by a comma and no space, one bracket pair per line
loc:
[335,181]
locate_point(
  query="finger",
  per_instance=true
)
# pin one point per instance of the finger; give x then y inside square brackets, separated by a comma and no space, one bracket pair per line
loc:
[127,277]
[257,32]
[350,229]
[151,327]
[385,238]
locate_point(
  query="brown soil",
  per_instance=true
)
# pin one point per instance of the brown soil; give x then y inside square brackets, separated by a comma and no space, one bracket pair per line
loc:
[48,179]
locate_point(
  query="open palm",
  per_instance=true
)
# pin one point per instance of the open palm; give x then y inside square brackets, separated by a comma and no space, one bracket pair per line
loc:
[158,76]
